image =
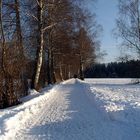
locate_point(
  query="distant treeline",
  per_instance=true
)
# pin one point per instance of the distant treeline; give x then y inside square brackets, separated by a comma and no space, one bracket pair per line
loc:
[129,69]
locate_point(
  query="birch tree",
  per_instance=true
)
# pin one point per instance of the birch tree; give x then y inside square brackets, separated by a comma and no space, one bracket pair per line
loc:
[128,24]
[41,43]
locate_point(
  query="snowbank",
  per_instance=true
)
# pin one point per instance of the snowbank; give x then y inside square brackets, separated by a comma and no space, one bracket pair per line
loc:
[73,81]
[13,118]
[118,101]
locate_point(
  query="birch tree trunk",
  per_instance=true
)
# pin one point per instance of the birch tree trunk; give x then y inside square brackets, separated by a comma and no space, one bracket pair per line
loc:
[41,44]
[81,68]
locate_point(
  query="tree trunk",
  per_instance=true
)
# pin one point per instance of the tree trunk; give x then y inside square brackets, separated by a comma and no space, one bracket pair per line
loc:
[52,68]
[8,94]
[61,72]
[3,40]
[69,72]
[41,45]
[18,30]
[51,76]
[81,69]
[49,67]
[4,95]
[22,65]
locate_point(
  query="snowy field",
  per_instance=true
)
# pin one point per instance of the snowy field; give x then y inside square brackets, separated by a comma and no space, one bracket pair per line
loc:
[119,101]
[97,109]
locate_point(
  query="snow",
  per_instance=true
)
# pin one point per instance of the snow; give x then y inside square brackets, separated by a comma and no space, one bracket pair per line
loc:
[110,81]
[96,109]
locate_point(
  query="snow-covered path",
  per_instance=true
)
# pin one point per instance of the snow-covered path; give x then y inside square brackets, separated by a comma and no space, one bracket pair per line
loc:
[67,115]
[70,111]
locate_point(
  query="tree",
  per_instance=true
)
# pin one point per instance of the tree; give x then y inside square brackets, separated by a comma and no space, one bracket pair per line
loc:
[19,43]
[13,80]
[7,82]
[41,43]
[42,28]
[50,15]
[86,39]
[128,24]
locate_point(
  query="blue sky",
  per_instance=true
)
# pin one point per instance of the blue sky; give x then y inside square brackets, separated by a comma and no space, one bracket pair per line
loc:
[106,11]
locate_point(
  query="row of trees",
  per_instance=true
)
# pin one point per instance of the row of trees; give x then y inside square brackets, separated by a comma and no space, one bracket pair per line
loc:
[43,42]
[128,69]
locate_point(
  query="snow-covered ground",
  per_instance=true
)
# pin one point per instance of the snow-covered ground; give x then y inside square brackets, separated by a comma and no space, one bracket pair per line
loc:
[97,109]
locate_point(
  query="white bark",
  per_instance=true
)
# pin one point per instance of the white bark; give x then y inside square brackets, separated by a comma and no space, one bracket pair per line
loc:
[40,51]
